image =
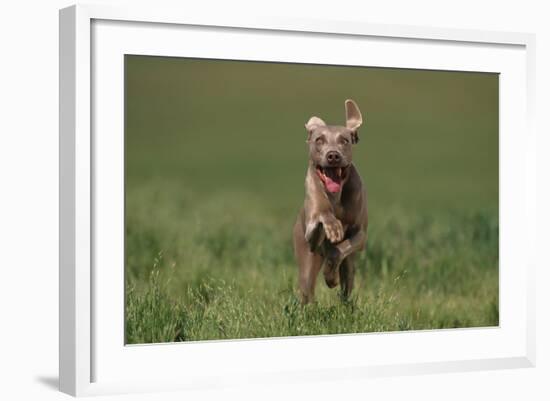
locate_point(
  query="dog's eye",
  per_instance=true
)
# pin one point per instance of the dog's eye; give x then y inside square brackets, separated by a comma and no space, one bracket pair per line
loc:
[345,141]
[320,140]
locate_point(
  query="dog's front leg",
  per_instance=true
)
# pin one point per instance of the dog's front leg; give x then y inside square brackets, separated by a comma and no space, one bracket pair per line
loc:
[354,243]
[332,226]
[314,234]
[337,253]
[321,226]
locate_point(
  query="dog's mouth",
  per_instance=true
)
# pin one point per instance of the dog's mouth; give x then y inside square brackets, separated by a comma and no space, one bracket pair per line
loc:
[332,177]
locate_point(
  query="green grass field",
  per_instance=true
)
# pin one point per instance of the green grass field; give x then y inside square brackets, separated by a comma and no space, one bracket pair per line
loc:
[215,163]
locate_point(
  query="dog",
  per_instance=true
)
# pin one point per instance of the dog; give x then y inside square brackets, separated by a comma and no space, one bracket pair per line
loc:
[332,224]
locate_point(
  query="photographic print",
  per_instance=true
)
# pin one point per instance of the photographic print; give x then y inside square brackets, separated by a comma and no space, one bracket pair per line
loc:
[271,199]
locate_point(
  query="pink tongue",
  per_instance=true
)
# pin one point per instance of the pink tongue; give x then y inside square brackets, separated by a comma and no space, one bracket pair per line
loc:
[332,186]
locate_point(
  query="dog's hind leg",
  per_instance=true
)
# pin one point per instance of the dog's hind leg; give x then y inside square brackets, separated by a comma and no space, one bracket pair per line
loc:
[347,276]
[310,266]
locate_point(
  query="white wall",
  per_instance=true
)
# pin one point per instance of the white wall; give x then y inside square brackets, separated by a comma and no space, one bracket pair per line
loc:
[29,184]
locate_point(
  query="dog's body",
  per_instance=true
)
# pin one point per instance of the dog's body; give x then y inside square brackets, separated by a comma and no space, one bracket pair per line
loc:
[332,225]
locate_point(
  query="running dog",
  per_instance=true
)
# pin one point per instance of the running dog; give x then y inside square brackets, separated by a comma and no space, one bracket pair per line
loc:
[332,224]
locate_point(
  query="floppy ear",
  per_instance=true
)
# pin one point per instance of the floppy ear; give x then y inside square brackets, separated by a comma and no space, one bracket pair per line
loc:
[313,123]
[353,119]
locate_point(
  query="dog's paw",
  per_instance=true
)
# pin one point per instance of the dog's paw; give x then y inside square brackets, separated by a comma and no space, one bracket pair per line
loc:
[333,228]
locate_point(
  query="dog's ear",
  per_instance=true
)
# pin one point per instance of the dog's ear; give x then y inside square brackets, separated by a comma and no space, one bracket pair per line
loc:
[313,123]
[353,119]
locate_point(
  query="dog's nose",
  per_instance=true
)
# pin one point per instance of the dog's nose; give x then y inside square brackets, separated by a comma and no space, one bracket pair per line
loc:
[333,157]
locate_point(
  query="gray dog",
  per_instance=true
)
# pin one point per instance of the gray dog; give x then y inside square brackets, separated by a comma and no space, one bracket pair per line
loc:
[332,225]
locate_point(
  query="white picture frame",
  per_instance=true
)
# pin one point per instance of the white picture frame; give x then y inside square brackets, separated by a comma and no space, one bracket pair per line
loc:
[93,357]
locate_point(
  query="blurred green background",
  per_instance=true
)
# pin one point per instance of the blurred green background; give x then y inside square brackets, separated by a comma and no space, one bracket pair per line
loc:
[215,158]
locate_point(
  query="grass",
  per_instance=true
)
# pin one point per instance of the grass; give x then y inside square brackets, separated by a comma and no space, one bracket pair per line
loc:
[211,199]
[221,273]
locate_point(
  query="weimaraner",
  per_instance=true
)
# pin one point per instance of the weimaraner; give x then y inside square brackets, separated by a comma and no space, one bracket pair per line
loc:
[332,225]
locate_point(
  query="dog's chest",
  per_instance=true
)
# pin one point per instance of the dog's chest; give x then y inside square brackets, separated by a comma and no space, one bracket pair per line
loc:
[344,211]
[339,210]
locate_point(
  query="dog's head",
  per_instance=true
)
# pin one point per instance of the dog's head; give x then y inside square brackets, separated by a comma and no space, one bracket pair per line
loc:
[330,147]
